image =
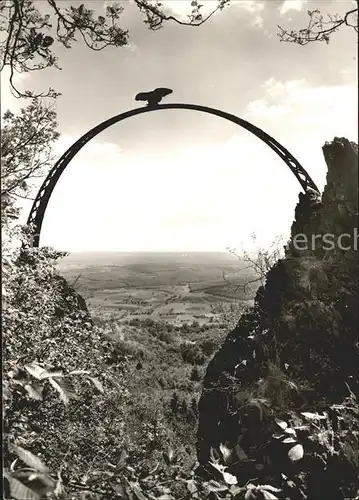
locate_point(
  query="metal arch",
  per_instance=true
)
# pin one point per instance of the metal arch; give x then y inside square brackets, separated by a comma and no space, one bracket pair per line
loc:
[38,209]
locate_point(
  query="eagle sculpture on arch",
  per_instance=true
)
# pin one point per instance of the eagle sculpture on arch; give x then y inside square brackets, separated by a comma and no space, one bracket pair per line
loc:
[153,97]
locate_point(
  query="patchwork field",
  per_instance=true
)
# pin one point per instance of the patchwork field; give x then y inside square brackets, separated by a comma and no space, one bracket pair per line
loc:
[173,287]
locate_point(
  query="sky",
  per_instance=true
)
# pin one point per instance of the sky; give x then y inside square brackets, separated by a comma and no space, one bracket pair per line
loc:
[179,180]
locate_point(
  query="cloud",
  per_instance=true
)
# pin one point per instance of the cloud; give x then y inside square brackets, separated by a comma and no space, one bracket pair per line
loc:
[258,21]
[331,107]
[291,5]
[254,7]
[261,108]
[183,8]
[303,117]
[273,87]
[250,5]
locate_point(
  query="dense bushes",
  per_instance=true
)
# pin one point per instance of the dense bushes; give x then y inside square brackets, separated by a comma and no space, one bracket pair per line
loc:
[47,334]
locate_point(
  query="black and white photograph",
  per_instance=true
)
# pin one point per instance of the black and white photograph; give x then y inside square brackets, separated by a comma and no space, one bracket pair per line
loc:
[179,249]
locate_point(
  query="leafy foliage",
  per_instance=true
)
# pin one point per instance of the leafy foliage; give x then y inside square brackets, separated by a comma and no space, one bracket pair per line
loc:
[30,36]
[26,145]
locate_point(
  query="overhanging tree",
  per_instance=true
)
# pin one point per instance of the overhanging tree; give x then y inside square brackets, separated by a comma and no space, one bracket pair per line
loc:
[321,26]
[26,146]
[29,36]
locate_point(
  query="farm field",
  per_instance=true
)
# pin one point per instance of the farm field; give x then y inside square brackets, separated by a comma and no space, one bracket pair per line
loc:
[171,287]
[166,314]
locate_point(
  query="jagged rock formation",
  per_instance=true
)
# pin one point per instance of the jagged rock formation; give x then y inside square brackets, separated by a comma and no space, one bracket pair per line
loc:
[296,351]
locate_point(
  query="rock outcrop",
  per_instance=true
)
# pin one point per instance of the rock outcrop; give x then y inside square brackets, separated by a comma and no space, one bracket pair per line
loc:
[291,365]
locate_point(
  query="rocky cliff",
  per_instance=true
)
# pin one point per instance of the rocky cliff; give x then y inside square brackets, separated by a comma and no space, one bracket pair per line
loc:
[279,401]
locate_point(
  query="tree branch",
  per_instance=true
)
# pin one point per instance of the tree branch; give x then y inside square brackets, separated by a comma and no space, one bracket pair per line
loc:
[316,29]
[154,25]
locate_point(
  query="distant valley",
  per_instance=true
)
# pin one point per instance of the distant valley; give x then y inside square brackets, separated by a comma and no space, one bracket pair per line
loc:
[172,287]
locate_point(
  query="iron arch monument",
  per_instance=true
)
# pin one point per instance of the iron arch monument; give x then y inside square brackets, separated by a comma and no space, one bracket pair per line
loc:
[41,201]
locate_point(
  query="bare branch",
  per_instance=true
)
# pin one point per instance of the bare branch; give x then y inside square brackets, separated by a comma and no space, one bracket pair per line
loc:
[259,262]
[320,28]
[156,16]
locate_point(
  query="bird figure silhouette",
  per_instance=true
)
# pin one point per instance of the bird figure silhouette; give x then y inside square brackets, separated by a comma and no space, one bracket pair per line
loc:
[153,97]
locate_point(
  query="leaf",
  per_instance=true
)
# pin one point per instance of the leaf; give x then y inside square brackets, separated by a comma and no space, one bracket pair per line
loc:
[29,459]
[191,486]
[229,478]
[290,431]
[214,455]
[168,456]
[268,496]
[40,373]
[12,465]
[138,492]
[34,370]
[97,384]
[283,425]
[79,372]
[278,435]
[296,453]
[19,491]
[289,440]
[217,466]
[313,416]
[227,453]
[63,388]
[268,487]
[215,486]
[235,490]
[52,372]
[35,391]
[264,491]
